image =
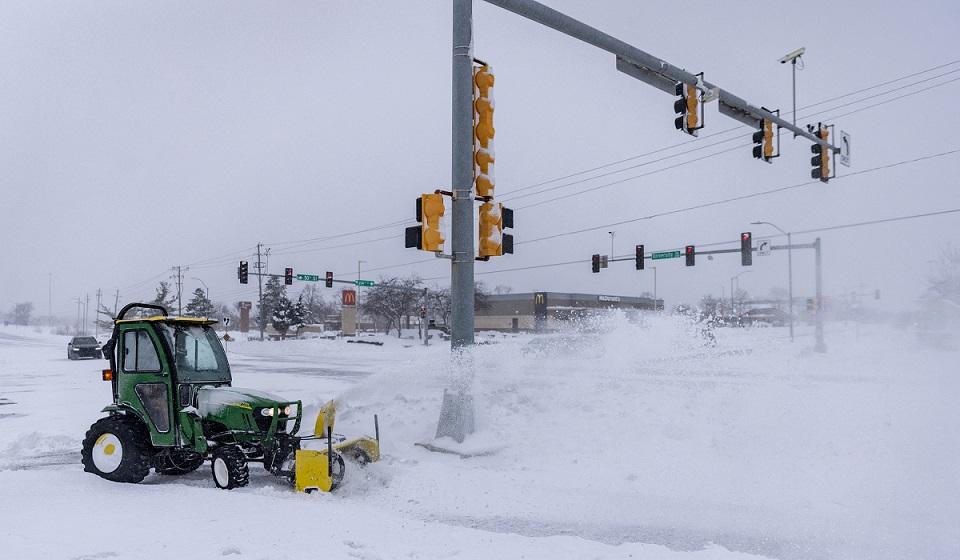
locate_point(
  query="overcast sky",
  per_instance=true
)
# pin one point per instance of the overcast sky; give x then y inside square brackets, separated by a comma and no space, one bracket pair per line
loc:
[136,136]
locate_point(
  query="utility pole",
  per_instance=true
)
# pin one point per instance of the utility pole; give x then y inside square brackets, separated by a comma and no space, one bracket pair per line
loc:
[260,288]
[96,322]
[180,270]
[86,313]
[116,302]
[50,298]
[820,346]
[612,235]
[357,330]
[79,303]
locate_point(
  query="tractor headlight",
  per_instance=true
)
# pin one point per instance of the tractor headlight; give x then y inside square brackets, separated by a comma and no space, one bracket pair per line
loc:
[287,410]
[266,411]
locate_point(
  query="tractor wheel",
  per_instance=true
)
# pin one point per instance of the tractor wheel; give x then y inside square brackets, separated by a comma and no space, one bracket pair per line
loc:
[229,467]
[117,448]
[177,463]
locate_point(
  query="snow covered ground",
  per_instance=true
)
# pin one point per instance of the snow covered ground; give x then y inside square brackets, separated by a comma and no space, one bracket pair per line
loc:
[634,442]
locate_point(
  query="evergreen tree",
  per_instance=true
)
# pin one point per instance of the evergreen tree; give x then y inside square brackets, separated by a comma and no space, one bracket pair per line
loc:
[283,315]
[165,296]
[200,305]
[273,292]
[299,313]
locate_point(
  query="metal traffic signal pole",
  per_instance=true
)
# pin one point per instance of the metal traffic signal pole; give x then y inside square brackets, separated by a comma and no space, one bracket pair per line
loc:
[461,274]
[648,68]
[456,412]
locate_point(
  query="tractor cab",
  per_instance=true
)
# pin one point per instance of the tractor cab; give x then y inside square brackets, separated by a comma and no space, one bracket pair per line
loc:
[157,365]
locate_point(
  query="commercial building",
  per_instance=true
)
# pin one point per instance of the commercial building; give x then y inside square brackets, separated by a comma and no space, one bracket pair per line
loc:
[544,311]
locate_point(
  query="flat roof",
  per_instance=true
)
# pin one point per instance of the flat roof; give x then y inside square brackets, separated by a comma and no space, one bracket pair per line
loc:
[168,319]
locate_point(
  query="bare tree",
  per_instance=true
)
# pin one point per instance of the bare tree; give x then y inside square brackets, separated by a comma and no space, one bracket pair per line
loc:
[393,299]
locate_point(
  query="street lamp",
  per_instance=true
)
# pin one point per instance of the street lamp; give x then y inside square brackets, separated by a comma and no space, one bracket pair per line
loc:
[612,235]
[733,293]
[205,288]
[358,296]
[789,270]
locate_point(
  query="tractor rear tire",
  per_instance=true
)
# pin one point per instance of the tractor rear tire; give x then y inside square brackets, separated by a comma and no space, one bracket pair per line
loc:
[177,463]
[117,448]
[229,468]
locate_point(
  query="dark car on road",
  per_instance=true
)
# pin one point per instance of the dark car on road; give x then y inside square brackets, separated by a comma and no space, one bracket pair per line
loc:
[83,347]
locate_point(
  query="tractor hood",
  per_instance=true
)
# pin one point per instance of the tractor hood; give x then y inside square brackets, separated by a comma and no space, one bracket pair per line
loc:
[212,401]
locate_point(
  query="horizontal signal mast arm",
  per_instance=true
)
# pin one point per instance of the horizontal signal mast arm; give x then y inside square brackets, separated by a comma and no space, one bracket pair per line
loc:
[655,70]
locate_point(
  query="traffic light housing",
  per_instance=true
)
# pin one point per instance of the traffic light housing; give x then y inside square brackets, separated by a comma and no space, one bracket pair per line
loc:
[428,235]
[691,254]
[288,276]
[483,131]
[746,248]
[595,263]
[687,108]
[328,282]
[763,141]
[639,262]
[243,272]
[491,229]
[821,159]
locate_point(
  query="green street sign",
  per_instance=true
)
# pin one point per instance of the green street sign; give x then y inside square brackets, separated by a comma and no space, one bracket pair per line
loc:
[365,283]
[666,255]
[308,277]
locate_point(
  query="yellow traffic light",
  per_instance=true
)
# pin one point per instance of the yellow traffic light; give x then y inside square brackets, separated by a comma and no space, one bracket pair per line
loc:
[491,229]
[432,206]
[483,130]
[821,158]
[767,138]
[692,103]
[825,156]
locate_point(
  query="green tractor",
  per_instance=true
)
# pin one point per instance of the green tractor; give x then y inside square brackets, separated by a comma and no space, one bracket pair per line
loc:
[174,408]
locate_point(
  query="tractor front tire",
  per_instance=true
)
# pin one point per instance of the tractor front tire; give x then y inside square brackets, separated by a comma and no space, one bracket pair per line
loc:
[175,463]
[229,467]
[117,448]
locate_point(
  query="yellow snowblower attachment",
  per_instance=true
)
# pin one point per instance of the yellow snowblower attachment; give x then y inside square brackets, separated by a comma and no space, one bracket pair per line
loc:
[313,470]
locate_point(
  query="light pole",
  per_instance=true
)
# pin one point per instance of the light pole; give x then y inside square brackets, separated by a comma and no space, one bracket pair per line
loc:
[654,269]
[732,292]
[789,270]
[612,235]
[358,297]
[205,288]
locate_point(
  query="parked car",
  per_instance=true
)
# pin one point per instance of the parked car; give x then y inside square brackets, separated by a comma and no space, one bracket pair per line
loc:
[83,347]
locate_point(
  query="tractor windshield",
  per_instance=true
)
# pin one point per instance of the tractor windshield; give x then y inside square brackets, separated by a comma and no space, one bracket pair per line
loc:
[198,354]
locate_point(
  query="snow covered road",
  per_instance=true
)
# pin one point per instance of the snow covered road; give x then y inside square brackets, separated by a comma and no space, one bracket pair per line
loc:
[636,442]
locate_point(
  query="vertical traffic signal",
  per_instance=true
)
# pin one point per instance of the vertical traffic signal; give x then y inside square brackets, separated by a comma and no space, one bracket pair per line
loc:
[328,282]
[746,248]
[821,159]
[639,257]
[595,263]
[483,131]
[433,209]
[288,276]
[243,272]
[763,141]
[506,215]
[688,109]
[691,254]
[491,230]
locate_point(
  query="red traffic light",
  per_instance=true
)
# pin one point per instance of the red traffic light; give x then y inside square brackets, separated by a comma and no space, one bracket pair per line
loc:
[288,276]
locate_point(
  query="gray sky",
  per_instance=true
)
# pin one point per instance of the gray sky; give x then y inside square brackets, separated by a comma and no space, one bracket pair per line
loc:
[135,136]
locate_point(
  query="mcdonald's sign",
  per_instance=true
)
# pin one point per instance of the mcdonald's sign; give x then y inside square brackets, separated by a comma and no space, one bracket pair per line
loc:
[349,297]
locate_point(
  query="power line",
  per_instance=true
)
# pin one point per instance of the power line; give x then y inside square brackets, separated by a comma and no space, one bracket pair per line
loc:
[799,232]
[736,198]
